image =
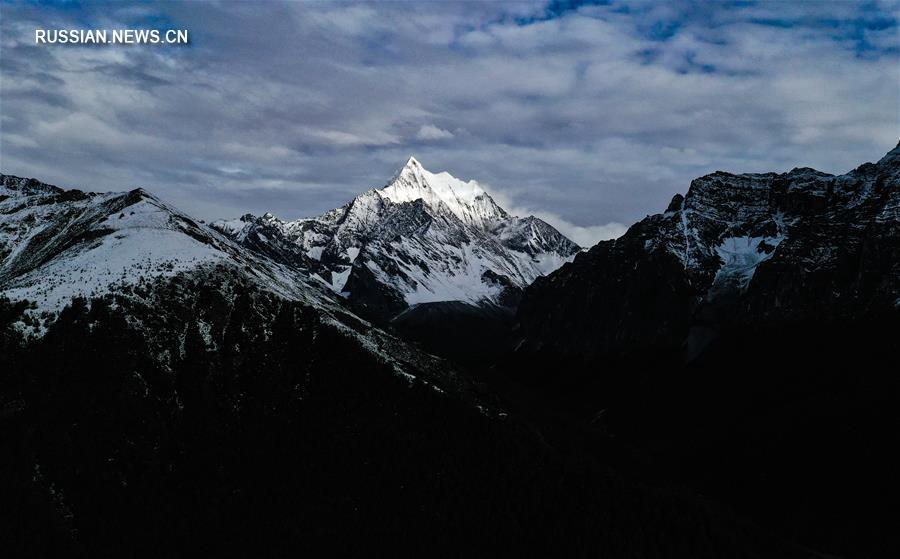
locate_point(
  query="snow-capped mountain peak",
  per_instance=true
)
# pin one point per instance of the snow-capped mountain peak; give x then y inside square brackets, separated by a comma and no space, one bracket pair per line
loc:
[423,237]
[467,200]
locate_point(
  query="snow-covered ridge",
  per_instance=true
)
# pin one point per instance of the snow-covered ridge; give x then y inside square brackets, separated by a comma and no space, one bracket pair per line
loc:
[57,244]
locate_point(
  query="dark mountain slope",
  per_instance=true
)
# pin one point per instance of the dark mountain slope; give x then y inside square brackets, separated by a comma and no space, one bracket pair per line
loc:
[744,343]
[466,334]
[244,424]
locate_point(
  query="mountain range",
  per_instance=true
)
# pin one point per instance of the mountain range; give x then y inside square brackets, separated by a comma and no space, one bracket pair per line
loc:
[717,382]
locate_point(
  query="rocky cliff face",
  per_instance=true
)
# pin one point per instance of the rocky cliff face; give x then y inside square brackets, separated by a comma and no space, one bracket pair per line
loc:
[742,343]
[423,238]
[736,249]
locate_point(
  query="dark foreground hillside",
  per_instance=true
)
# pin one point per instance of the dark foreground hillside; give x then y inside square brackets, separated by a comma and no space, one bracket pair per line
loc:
[117,443]
[794,425]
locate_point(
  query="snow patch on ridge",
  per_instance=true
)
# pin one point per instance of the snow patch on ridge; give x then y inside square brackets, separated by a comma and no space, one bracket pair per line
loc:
[741,256]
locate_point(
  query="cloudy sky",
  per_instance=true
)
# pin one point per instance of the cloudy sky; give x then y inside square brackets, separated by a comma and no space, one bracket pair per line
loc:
[590,116]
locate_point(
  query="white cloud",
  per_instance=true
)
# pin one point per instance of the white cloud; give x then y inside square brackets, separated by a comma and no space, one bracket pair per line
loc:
[585,235]
[341,138]
[430,132]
